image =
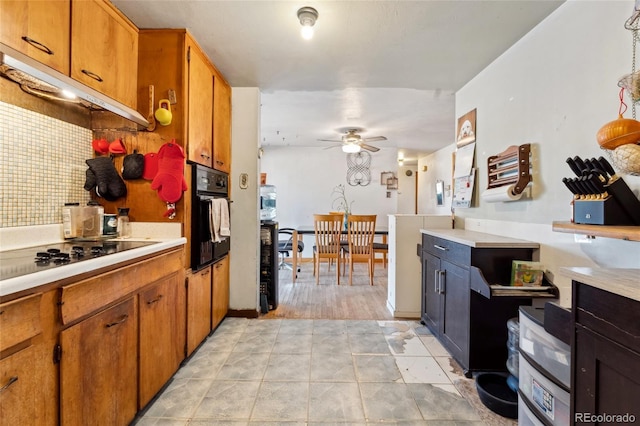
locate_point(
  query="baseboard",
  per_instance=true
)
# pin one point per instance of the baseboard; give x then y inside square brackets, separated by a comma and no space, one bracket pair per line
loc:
[242,313]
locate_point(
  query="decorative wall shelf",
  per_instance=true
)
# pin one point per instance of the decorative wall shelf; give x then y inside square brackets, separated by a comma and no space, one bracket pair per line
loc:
[629,233]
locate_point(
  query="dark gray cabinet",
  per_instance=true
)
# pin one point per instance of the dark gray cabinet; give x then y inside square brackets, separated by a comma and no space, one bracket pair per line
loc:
[458,305]
[606,356]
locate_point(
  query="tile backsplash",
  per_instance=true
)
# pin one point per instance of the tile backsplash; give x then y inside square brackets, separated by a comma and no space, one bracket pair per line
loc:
[42,166]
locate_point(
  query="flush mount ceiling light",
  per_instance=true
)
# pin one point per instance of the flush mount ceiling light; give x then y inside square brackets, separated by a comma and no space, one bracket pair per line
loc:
[307,17]
[351,148]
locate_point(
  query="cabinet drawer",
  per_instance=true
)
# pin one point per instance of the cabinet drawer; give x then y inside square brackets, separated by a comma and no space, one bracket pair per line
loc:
[84,297]
[609,314]
[447,250]
[20,320]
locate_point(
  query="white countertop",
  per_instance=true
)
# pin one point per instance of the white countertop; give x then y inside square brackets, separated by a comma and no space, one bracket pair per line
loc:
[25,282]
[479,239]
[624,282]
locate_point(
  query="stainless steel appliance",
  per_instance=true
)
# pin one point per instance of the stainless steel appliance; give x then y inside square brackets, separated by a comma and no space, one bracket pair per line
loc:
[16,263]
[207,184]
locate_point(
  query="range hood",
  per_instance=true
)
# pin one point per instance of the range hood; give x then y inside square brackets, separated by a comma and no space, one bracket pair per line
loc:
[18,61]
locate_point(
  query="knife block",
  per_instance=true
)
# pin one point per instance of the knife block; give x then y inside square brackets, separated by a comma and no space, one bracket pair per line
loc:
[627,199]
[600,212]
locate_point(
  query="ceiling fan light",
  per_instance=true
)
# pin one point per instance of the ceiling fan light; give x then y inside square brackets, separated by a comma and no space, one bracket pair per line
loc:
[351,148]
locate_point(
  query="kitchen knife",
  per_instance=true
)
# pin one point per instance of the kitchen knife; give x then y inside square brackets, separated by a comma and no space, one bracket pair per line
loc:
[574,167]
[580,164]
[569,184]
[606,166]
[595,169]
[597,186]
[585,189]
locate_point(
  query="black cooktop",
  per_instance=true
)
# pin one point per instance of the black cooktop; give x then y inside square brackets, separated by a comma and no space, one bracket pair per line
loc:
[15,263]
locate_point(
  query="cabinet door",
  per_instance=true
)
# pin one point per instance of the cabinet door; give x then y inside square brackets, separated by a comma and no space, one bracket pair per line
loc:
[198,308]
[160,328]
[454,328]
[98,369]
[605,377]
[104,50]
[221,125]
[431,299]
[22,397]
[39,29]
[200,122]
[220,298]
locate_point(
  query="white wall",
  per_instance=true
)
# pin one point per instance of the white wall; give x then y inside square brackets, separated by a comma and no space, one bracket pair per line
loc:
[305,177]
[245,247]
[554,89]
[439,165]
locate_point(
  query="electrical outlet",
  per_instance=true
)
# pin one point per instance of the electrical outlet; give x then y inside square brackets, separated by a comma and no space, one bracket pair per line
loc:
[244,180]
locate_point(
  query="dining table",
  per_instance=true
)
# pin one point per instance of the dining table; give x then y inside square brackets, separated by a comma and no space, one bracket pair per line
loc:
[300,231]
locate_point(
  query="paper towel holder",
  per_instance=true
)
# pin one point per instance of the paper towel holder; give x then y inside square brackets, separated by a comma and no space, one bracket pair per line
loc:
[510,167]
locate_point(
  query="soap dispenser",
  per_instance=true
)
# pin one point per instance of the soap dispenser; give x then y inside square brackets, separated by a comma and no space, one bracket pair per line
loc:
[124,227]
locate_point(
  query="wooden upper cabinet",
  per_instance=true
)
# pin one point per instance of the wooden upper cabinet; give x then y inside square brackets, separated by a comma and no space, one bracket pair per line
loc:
[39,29]
[104,50]
[200,126]
[221,125]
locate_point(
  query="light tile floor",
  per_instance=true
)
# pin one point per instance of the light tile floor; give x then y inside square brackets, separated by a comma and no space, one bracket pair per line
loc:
[315,372]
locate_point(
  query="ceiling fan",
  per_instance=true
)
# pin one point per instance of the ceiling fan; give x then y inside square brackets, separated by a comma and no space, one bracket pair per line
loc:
[351,141]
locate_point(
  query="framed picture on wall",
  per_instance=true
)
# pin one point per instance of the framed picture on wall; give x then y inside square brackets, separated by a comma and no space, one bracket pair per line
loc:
[392,183]
[466,132]
[384,177]
[440,192]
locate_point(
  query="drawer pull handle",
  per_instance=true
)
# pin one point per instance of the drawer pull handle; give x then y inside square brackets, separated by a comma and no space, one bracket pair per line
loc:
[205,272]
[205,155]
[93,75]
[441,248]
[11,381]
[120,321]
[219,162]
[1,312]
[157,299]
[38,45]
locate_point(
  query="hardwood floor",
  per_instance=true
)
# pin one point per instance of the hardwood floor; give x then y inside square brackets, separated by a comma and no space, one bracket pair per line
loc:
[327,300]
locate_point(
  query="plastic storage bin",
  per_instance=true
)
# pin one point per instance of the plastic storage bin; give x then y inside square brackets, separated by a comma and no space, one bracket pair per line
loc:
[526,416]
[549,400]
[547,351]
[513,333]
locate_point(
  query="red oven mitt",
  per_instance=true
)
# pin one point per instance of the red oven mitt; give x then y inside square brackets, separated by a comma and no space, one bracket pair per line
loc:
[169,181]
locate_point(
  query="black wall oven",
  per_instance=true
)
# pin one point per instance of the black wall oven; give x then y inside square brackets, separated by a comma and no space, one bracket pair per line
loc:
[207,185]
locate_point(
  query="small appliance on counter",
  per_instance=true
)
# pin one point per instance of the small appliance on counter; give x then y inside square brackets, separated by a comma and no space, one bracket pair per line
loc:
[82,222]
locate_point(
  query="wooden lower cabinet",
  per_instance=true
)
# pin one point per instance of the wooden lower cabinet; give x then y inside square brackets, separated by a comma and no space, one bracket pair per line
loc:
[98,369]
[198,307]
[220,291]
[28,373]
[162,334]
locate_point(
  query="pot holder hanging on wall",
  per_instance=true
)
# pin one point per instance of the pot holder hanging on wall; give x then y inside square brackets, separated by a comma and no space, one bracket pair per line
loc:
[133,166]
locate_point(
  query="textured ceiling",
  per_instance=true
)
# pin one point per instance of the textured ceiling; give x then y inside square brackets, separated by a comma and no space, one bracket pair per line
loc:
[390,67]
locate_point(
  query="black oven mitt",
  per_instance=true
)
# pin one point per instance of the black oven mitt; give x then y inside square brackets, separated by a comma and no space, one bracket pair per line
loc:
[103,177]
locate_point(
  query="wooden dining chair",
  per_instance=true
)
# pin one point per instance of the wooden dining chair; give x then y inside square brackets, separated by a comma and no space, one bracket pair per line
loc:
[360,232]
[327,229]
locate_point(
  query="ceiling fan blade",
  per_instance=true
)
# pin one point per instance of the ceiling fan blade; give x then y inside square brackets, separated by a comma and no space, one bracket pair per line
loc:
[329,140]
[374,139]
[332,146]
[369,147]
